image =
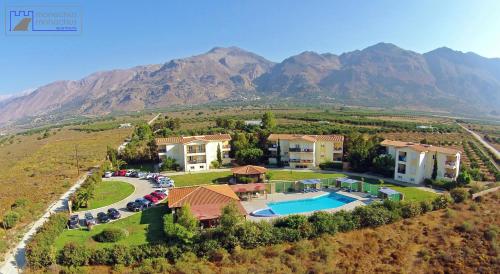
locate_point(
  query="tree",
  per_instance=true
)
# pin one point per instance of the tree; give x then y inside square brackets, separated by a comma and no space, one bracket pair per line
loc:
[464,178]
[360,152]
[249,156]
[278,155]
[384,164]
[230,218]
[434,168]
[219,155]
[268,120]
[169,163]
[187,219]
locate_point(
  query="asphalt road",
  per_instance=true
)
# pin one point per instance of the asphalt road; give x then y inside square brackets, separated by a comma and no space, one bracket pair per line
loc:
[142,188]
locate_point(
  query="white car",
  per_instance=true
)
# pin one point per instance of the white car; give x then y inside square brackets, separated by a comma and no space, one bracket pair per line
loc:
[129,172]
[108,174]
[151,176]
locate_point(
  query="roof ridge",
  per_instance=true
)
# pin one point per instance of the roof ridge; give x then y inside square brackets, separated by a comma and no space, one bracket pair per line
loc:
[223,194]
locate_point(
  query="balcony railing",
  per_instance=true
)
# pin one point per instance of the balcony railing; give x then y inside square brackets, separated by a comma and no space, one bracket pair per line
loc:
[226,147]
[196,162]
[192,151]
[162,150]
[402,158]
[305,161]
[298,149]
[450,163]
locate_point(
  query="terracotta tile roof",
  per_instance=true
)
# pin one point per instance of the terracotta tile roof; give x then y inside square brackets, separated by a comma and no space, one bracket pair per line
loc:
[419,147]
[248,187]
[201,195]
[188,139]
[249,170]
[310,138]
[206,201]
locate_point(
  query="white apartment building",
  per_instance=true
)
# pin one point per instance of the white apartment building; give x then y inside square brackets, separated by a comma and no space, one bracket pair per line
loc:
[194,153]
[306,151]
[415,162]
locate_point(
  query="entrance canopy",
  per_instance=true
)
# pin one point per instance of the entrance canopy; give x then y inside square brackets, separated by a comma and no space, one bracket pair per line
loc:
[310,181]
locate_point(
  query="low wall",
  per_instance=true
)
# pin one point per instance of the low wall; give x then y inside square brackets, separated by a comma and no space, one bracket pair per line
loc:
[484,192]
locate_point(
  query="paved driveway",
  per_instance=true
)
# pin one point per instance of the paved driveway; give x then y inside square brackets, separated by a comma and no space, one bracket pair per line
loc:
[142,187]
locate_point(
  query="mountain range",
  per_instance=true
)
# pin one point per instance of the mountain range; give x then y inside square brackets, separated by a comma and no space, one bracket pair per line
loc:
[380,75]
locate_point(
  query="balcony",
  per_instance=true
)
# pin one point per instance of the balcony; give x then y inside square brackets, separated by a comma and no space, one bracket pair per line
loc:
[162,150]
[402,158]
[226,147]
[196,162]
[298,149]
[304,161]
[195,151]
[451,164]
[449,175]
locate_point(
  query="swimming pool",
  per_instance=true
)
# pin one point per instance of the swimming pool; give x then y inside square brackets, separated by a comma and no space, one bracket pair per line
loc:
[327,201]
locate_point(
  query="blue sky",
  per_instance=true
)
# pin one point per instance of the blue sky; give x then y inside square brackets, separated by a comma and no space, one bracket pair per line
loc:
[121,34]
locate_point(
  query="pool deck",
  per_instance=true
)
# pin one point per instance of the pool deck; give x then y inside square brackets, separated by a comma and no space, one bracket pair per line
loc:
[261,203]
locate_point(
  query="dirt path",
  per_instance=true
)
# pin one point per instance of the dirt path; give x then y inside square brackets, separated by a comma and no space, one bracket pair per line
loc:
[486,144]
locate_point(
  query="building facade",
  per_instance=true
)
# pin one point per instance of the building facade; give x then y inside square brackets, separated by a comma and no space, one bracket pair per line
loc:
[415,162]
[194,153]
[306,151]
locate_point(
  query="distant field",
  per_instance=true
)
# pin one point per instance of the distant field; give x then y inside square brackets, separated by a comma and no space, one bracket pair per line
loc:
[37,169]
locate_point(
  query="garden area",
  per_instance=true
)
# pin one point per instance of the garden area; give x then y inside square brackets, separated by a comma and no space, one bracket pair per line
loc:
[107,193]
[141,228]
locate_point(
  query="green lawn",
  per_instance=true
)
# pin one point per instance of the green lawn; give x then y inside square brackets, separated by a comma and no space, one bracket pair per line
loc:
[299,175]
[109,192]
[410,193]
[200,178]
[143,227]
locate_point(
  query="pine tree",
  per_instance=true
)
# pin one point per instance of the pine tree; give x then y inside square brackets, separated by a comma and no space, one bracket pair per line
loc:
[435,168]
[219,155]
[278,155]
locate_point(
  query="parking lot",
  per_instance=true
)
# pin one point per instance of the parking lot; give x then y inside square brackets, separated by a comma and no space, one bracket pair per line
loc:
[142,187]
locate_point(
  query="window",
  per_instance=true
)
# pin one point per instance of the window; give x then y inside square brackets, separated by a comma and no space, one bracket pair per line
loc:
[192,167]
[202,167]
[402,168]
[322,145]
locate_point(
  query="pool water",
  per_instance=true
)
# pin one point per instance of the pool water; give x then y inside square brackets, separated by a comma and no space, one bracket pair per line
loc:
[327,201]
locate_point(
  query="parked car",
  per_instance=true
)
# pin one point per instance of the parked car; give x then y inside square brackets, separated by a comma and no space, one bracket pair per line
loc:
[159,195]
[102,217]
[120,172]
[163,190]
[145,203]
[135,174]
[89,219]
[114,214]
[141,174]
[151,176]
[134,207]
[151,198]
[108,174]
[129,172]
[73,222]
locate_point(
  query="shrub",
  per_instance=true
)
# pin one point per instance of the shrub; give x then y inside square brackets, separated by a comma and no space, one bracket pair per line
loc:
[39,251]
[10,219]
[74,255]
[466,227]
[459,194]
[330,165]
[323,222]
[372,215]
[111,235]
[411,209]
[121,254]
[491,233]
[100,256]
[442,201]
[426,206]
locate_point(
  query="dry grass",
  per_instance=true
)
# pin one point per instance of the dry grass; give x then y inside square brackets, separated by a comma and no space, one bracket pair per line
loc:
[39,171]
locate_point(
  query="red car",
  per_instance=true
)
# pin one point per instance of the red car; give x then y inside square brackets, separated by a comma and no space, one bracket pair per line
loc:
[158,195]
[120,172]
[151,198]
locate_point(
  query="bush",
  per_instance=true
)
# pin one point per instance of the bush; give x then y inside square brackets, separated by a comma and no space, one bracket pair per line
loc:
[426,206]
[323,222]
[466,227]
[491,233]
[330,165]
[411,209]
[442,201]
[373,215]
[111,235]
[460,194]
[10,219]
[39,251]
[74,255]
